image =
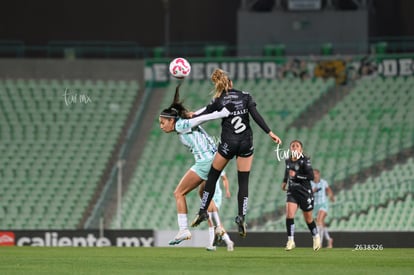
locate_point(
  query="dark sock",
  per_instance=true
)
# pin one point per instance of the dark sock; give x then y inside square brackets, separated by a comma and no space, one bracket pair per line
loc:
[243,194]
[290,227]
[313,229]
[209,188]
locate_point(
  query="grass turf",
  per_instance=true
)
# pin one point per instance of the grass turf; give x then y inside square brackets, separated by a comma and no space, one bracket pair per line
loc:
[176,260]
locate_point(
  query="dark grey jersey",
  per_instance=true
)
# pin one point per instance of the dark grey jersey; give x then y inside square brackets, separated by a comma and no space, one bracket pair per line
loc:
[237,124]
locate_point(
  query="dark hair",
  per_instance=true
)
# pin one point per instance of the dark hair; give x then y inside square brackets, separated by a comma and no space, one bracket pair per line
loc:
[301,145]
[298,141]
[176,109]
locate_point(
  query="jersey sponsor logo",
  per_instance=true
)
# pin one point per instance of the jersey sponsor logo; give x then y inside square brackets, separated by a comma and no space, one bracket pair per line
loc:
[229,97]
[225,148]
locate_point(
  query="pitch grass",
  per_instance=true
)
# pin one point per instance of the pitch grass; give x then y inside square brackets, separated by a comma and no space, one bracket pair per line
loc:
[178,260]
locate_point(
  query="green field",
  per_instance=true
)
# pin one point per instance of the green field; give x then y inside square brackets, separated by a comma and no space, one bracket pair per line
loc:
[176,260]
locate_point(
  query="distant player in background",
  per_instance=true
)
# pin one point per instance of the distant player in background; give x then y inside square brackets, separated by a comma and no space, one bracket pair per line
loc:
[296,182]
[216,230]
[236,141]
[176,118]
[321,190]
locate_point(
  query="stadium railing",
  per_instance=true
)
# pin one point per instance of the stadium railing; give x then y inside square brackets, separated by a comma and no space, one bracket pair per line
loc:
[131,49]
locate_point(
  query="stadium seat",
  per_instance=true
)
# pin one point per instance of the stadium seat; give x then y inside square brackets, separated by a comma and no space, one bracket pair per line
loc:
[56,153]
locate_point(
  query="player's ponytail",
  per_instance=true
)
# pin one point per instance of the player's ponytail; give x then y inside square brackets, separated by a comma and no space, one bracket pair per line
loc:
[221,82]
[176,109]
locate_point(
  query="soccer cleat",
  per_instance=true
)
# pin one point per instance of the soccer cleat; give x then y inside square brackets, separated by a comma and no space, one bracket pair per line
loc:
[316,242]
[211,248]
[181,236]
[290,245]
[201,216]
[242,226]
[218,235]
[230,246]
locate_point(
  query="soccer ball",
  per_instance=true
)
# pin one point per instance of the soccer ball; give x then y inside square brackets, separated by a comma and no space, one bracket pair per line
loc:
[180,68]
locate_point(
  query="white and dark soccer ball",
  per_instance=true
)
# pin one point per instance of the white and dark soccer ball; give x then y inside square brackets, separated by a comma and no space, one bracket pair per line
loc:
[180,68]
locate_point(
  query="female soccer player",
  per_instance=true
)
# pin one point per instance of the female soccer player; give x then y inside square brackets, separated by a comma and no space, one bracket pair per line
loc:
[296,182]
[236,140]
[321,190]
[176,119]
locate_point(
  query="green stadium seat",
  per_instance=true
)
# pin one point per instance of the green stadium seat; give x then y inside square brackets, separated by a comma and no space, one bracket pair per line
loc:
[54,160]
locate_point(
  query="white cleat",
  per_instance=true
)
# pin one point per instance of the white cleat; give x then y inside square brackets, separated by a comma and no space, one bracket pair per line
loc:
[218,235]
[211,248]
[290,245]
[220,231]
[181,236]
[230,246]
[316,242]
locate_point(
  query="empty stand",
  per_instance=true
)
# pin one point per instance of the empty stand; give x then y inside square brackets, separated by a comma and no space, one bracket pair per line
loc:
[56,139]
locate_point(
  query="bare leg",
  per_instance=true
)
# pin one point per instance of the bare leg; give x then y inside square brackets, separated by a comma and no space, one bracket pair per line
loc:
[320,223]
[188,183]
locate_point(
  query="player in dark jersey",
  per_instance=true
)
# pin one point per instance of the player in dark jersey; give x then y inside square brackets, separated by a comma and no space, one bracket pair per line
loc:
[296,182]
[236,141]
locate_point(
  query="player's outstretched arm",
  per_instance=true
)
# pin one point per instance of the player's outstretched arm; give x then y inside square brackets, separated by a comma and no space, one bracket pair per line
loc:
[195,121]
[257,117]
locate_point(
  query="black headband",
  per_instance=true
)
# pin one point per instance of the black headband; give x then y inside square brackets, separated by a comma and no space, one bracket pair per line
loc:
[167,114]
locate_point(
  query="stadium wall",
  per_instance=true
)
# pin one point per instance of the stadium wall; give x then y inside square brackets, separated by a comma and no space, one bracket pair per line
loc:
[340,28]
[39,22]
[77,238]
[72,69]
[150,238]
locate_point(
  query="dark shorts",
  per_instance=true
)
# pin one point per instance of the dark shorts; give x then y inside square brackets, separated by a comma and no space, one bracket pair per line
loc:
[301,196]
[239,148]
